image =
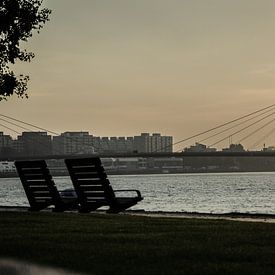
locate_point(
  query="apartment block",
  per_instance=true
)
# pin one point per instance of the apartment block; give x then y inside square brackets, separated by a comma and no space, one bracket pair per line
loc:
[34,143]
[155,143]
[73,143]
[5,141]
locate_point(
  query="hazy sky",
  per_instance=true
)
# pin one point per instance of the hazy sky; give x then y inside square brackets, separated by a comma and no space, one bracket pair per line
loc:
[121,67]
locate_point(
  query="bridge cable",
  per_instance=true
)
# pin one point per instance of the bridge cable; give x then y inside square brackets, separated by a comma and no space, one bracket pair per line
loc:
[262,139]
[39,128]
[255,131]
[239,131]
[216,127]
[29,124]
[32,139]
[16,125]
[234,126]
[186,139]
[10,129]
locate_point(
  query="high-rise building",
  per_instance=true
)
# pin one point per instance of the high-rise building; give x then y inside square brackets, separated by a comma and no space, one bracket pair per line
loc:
[141,143]
[113,144]
[6,145]
[73,143]
[156,143]
[5,141]
[34,143]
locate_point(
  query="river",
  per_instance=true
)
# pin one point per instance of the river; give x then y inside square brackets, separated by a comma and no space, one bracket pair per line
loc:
[204,193]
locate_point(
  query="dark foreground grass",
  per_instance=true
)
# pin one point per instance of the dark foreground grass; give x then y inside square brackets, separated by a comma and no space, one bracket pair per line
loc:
[118,244]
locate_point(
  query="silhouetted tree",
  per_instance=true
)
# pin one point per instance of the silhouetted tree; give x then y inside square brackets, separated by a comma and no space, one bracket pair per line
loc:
[18,19]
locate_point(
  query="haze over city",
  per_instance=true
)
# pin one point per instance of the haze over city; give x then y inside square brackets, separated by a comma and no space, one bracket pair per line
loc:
[119,68]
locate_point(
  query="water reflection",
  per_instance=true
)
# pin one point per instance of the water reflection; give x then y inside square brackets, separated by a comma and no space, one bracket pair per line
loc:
[14,267]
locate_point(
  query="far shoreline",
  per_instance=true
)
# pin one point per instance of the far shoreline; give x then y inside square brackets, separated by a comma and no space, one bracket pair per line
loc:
[137,173]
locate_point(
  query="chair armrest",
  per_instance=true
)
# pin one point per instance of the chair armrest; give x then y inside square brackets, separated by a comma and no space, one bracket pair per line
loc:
[130,190]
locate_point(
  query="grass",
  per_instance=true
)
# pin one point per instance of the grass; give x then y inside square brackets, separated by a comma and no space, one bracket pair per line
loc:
[123,244]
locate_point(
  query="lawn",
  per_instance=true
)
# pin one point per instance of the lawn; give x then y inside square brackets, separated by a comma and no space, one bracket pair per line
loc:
[124,244]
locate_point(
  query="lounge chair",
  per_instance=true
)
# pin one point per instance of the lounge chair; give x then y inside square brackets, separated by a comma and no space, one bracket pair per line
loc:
[93,189]
[40,188]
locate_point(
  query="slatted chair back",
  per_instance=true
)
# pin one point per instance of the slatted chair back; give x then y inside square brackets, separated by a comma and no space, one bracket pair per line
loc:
[90,182]
[38,184]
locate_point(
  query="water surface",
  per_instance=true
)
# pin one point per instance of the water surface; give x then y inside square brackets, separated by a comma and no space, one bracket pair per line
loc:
[206,193]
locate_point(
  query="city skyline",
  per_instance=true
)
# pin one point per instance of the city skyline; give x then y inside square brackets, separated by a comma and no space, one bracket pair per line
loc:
[85,142]
[177,67]
[69,143]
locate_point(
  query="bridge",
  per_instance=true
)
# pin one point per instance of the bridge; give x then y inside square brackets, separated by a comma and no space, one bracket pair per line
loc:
[150,155]
[259,123]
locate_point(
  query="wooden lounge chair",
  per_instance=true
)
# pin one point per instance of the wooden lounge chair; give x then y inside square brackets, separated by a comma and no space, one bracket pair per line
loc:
[93,189]
[40,187]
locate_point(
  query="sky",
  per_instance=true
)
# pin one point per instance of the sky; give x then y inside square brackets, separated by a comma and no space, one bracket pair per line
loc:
[175,67]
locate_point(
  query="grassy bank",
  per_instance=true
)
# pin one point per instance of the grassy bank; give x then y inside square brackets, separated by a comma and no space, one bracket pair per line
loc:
[117,244]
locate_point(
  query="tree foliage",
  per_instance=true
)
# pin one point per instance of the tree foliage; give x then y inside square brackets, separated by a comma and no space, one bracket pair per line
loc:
[18,20]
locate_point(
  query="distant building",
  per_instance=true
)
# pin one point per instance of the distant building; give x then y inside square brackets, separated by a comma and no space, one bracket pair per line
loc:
[127,163]
[145,143]
[198,147]
[6,145]
[7,167]
[153,144]
[73,143]
[269,149]
[5,140]
[166,164]
[234,148]
[116,145]
[34,143]
[17,146]
[141,143]
[124,164]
